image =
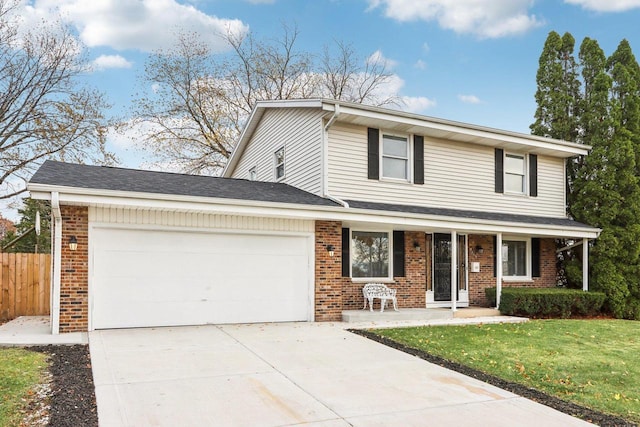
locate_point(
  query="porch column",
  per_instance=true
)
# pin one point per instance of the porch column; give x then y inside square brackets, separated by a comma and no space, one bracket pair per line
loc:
[454,269]
[498,268]
[585,264]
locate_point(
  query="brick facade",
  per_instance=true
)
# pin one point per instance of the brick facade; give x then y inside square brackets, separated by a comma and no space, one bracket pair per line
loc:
[478,282]
[333,293]
[74,275]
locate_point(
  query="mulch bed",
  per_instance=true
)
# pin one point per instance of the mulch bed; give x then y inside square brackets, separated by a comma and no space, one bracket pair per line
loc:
[72,400]
[570,408]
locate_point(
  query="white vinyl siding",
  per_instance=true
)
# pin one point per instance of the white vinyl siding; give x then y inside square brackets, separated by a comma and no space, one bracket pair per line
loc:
[457,176]
[148,217]
[299,131]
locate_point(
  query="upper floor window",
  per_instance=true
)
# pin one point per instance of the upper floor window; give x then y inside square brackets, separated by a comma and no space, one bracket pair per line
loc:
[395,157]
[514,173]
[253,174]
[279,163]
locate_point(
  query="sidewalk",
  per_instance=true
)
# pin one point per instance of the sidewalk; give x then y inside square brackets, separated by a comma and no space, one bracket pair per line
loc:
[36,330]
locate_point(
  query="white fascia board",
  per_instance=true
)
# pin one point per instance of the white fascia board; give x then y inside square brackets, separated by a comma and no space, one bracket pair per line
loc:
[567,148]
[309,212]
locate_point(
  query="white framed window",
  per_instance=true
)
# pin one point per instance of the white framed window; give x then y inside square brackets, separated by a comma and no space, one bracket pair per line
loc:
[515,173]
[253,174]
[370,254]
[516,258]
[395,157]
[279,164]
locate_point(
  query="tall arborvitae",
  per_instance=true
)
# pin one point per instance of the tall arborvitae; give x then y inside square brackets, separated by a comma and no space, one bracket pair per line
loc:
[624,299]
[605,185]
[558,93]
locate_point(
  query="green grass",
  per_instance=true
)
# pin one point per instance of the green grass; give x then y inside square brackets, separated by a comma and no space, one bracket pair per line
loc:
[595,363]
[20,372]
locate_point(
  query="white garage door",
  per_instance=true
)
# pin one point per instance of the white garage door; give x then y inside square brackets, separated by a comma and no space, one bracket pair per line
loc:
[166,278]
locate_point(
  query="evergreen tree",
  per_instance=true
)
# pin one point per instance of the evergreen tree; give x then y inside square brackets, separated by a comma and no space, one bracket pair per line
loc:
[31,243]
[558,93]
[603,187]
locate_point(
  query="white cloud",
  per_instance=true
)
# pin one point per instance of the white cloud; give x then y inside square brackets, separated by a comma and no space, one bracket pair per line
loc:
[484,18]
[145,25]
[417,104]
[420,64]
[378,58]
[606,5]
[104,62]
[469,99]
[425,47]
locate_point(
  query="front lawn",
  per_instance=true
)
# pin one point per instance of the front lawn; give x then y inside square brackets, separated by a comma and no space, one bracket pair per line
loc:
[594,363]
[20,372]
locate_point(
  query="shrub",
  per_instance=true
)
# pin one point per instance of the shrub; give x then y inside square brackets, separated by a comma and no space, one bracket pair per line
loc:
[547,302]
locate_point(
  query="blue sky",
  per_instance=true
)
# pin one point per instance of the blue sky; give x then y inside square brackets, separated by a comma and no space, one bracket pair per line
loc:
[472,61]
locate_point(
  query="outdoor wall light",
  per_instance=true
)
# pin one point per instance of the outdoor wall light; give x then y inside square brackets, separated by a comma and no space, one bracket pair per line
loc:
[479,249]
[331,250]
[416,245]
[73,243]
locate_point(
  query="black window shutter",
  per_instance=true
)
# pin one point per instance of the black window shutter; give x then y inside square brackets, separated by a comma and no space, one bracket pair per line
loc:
[495,256]
[373,143]
[418,159]
[535,257]
[499,170]
[346,261]
[533,175]
[398,254]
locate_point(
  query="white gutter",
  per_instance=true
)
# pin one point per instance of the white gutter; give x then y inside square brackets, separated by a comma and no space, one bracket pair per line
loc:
[325,158]
[57,262]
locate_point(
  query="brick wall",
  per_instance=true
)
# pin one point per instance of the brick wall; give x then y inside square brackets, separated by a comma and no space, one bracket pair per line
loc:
[74,301]
[335,293]
[485,278]
[328,274]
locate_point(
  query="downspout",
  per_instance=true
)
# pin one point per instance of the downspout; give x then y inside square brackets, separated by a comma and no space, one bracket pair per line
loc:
[57,262]
[325,158]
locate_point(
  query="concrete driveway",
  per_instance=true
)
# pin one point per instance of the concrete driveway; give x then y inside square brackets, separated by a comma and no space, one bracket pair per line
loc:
[314,374]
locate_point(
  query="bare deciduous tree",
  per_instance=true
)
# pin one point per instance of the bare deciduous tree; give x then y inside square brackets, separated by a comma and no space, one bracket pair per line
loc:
[193,104]
[44,111]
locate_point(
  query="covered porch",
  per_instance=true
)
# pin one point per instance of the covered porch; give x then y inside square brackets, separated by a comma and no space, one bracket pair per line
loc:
[440,265]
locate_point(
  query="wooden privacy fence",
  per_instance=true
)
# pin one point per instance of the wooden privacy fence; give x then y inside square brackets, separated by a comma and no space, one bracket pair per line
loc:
[24,285]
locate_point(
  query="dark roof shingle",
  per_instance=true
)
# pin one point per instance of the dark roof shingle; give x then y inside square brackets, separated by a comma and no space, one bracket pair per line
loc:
[457,213]
[142,181]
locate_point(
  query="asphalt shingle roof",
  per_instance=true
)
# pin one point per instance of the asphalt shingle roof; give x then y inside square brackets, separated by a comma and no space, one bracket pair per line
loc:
[142,181]
[456,213]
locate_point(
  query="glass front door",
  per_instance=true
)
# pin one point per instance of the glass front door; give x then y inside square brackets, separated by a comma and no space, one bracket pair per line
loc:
[442,267]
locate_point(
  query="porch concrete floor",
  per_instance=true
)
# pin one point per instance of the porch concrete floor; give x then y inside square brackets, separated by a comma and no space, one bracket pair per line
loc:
[424,316]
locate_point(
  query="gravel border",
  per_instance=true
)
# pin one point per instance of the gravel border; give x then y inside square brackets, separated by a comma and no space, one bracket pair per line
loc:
[569,408]
[72,400]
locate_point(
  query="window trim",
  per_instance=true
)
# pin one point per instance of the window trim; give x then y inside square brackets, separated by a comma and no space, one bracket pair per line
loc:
[408,159]
[389,233]
[528,255]
[525,176]
[276,165]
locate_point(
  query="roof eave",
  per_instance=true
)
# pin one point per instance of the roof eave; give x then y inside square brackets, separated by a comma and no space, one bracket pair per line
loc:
[95,197]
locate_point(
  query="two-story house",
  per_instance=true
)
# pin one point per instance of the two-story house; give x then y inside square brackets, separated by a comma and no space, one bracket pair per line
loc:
[319,198]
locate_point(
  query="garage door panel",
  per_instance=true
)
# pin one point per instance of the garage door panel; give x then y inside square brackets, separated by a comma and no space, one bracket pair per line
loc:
[162,278]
